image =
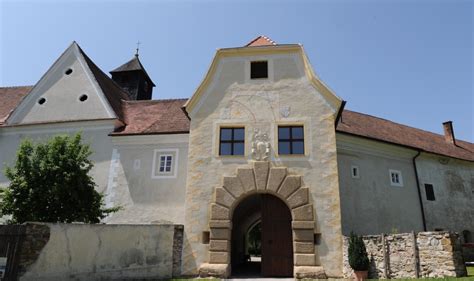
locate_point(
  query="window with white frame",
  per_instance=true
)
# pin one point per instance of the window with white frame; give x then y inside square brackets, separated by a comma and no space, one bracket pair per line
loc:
[396,178]
[165,163]
[355,172]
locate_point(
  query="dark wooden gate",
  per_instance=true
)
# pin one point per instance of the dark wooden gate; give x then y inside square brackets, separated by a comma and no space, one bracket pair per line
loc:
[277,243]
[11,238]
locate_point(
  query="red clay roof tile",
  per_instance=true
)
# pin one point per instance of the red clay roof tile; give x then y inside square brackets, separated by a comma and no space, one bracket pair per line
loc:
[261,40]
[10,97]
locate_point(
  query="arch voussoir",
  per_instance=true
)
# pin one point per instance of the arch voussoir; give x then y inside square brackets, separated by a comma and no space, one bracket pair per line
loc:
[298,198]
[289,185]
[275,178]
[303,213]
[219,212]
[247,178]
[223,197]
[234,186]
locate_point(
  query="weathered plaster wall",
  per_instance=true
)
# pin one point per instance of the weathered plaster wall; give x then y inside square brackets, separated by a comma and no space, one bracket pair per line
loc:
[453,184]
[370,204]
[233,99]
[98,252]
[428,254]
[132,184]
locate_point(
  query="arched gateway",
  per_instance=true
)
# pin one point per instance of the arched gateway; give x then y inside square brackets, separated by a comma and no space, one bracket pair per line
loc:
[265,180]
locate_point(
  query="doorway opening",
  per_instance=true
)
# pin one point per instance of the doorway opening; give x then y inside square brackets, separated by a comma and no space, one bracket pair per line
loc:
[262,238]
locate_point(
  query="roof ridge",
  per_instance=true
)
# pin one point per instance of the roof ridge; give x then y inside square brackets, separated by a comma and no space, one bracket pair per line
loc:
[407,126]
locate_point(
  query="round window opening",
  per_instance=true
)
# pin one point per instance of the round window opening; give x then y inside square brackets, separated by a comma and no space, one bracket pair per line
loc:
[68,71]
[83,98]
[41,101]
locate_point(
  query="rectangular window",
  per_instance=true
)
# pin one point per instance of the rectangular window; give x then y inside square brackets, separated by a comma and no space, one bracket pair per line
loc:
[258,69]
[232,141]
[290,140]
[396,178]
[165,163]
[355,172]
[430,196]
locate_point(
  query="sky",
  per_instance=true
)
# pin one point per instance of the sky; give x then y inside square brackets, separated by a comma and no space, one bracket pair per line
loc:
[407,61]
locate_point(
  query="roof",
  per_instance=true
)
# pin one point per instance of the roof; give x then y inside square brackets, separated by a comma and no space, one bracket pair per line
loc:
[10,97]
[371,127]
[154,117]
[261,40]
[112,91]
[133,65]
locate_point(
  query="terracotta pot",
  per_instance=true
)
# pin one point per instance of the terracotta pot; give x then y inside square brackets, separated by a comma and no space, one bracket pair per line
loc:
[360,275]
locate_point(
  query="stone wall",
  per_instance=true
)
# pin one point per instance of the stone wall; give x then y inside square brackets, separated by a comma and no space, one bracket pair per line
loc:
[410,255]
[98,252]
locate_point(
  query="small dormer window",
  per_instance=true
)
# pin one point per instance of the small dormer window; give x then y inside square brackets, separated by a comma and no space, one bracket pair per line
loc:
[259,69]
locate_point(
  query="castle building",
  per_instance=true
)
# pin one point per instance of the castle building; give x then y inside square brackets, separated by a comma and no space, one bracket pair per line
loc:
[262,141]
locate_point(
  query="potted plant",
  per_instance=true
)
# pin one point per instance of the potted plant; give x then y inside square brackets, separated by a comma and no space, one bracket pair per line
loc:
[358,258]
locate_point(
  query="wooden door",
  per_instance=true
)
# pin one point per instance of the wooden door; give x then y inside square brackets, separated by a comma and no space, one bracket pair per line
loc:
[277,244]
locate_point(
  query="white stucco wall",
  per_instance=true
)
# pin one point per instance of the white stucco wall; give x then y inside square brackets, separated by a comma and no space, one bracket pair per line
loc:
[370,204]
[146,196]
[233,99]
[453,185]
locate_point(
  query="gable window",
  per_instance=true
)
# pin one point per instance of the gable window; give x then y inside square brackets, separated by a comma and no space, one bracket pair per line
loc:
[258,69]
[290,140]
[232,141]
[396,178]
[430,196]
[355,172]
[165,163]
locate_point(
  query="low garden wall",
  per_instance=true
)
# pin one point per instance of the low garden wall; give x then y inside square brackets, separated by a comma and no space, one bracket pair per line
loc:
[96,252]
[411,255]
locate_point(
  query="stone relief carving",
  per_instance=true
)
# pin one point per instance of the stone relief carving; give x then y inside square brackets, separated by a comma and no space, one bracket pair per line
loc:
[285,111]
[260,145]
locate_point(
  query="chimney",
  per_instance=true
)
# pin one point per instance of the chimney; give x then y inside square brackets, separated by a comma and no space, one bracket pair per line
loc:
[449,132]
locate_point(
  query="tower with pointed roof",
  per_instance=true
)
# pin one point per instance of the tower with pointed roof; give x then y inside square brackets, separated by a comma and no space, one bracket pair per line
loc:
[134,79]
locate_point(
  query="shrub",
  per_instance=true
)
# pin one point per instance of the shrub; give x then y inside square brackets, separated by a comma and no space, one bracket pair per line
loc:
[358,258]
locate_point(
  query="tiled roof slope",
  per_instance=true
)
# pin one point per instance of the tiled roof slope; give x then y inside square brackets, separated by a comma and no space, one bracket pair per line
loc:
[113,92]
[261,40]
[154,117]
[367,126]
[10,97]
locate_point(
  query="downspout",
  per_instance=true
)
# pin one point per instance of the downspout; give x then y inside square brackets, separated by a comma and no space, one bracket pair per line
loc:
[419,190]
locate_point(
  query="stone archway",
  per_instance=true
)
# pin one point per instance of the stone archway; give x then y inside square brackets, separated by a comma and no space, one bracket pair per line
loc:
[262,178]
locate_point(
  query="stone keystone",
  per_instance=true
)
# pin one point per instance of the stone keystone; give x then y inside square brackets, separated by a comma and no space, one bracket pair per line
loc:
[290,184]
[261,173]
[223,197]
[233,185]
[299,198]
[219,212]
[246,178]
[275,178]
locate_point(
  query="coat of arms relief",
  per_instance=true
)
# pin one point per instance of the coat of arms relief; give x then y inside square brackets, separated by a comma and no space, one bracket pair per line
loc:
[260,145]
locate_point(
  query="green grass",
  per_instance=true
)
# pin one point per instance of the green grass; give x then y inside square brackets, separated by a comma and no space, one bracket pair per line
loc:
[470,271]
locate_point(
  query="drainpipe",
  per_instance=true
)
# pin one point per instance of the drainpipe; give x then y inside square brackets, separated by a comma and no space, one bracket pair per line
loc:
[419,190]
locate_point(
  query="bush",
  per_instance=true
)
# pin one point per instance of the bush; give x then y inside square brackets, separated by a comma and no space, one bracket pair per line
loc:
[50,182]
[358,258]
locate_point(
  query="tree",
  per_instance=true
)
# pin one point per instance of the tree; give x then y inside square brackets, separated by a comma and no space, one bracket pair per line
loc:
[50,182]
[358,258]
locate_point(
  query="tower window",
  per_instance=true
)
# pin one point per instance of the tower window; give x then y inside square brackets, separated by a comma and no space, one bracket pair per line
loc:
[258,69]
[41,101]
[68,71]
[83,98]
[232,141]
[290,140]
[430,196]
[355,172]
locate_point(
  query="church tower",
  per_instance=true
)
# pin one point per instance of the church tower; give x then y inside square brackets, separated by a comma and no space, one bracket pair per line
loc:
[133,78]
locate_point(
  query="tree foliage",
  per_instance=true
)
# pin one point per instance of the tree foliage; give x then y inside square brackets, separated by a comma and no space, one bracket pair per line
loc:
[358,258]
[50,182]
